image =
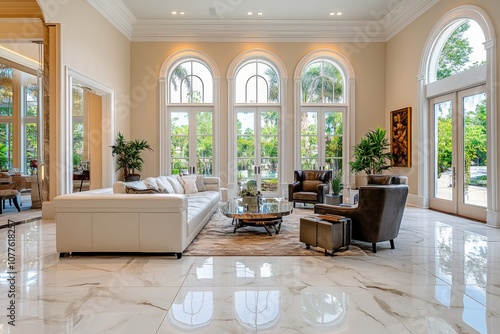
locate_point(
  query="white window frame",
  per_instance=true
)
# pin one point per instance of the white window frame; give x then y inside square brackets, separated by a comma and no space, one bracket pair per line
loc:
[164,125]
[280,68]
[348,107]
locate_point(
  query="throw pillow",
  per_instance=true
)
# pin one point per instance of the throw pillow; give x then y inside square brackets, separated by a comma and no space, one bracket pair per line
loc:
[119,187]
[176,185]
[139,187]
[200,183]
[150,183]
[189,184]
[164,185]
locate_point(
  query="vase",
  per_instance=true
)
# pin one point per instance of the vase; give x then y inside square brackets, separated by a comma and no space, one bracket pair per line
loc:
[252,203]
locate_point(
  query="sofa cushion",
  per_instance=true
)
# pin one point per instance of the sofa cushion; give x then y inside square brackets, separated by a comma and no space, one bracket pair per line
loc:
[189,183]
[150,183]
[131,190]
[176,185]
[164,185]
[200,183]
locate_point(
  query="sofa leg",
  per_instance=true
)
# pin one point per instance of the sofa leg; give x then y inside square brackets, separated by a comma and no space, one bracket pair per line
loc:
[392,244]
[374,247]
[178,255]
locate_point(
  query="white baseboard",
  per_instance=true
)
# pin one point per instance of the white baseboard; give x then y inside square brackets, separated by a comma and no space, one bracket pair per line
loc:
[418,201]
[492,218]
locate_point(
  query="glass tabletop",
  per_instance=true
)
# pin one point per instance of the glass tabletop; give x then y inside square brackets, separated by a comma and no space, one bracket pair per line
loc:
[276,207]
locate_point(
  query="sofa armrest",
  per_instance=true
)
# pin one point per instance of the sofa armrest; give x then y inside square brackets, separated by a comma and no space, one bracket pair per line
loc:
[212,183]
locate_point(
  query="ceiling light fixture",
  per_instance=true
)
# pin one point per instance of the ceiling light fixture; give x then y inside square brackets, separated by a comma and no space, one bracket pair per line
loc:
[259,13]
[339,13]
[332,14]
[249,13]
[182,13]
[174,13]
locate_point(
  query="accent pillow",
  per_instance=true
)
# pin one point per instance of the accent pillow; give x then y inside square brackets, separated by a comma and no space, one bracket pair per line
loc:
[200,183]
[189,184]
[176,185]
[164,186]
[139,187]
[119,187]
[150,183]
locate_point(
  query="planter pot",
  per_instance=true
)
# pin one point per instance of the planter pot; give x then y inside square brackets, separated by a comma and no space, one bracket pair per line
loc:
[333,199]
[133,177]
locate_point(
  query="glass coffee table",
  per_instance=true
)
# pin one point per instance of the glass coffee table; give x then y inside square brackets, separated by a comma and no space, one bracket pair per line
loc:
[267,214]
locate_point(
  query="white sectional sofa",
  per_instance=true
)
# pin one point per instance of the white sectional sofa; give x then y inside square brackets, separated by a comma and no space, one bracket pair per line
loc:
[111,220]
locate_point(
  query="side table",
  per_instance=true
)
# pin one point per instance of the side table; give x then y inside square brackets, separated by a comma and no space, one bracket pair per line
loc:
[329,232]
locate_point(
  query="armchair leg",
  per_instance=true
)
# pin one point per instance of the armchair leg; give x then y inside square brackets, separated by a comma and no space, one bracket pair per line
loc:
[374,247]
[392,243]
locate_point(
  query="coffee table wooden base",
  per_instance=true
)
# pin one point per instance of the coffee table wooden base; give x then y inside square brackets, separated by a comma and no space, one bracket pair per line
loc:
[265,223]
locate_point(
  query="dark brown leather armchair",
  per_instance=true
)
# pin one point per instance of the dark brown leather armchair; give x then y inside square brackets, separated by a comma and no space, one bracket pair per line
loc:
[380,210]
[309,186]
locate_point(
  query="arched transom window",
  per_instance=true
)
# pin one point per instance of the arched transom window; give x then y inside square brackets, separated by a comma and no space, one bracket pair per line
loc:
[257,82]
[191,82]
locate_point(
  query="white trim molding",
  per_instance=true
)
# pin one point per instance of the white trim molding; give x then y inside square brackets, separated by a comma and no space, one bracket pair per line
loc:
[164,139]
[117,14]
[350,101]
[427,75]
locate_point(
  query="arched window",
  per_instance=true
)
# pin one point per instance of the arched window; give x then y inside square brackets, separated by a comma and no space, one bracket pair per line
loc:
[323,112]
[322,82]
[191,82]
[257,82]
[255,118]
[188,125]
[455,108]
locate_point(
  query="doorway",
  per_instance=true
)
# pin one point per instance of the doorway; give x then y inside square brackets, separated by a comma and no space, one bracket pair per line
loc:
[458,154]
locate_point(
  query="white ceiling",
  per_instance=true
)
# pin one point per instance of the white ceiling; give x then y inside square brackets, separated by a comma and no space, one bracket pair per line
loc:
[281,20]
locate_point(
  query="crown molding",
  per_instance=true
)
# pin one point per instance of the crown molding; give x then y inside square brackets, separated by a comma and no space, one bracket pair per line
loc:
[403,14]
[117,14]
[252,31]
[380,29]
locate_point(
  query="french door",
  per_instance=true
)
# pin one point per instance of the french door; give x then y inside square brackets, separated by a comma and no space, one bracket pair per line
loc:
[257,147]
[321,138]
[458,159]
[191,140]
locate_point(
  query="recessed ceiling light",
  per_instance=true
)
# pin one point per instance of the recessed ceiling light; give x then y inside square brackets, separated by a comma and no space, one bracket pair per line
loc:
[182,13]
[339,13]
[174,13]
[332,14]
[249,13]
[259,13]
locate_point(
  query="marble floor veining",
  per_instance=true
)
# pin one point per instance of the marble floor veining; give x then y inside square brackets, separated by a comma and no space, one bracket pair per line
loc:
[443,277]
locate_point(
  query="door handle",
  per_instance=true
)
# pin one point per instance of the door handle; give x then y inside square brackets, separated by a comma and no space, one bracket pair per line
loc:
[454,176]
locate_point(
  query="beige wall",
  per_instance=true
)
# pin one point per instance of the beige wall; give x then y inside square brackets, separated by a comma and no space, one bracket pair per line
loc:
[92,47]
[404,53]
[146,59]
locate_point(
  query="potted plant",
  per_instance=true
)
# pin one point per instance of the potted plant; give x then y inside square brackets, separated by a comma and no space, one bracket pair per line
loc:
[250,196]
[129,156]
[372,154]
[337,187]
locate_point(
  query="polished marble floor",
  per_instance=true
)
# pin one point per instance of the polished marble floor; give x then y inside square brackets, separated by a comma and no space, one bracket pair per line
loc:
[443,277]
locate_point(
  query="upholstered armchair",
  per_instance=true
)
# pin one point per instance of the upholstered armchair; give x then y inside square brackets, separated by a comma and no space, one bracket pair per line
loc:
[309,186]
[379,212]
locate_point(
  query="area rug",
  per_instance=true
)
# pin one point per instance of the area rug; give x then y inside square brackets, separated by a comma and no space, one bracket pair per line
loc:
[218,239]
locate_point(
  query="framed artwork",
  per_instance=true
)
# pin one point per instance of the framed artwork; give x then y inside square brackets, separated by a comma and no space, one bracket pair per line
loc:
[401,137]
